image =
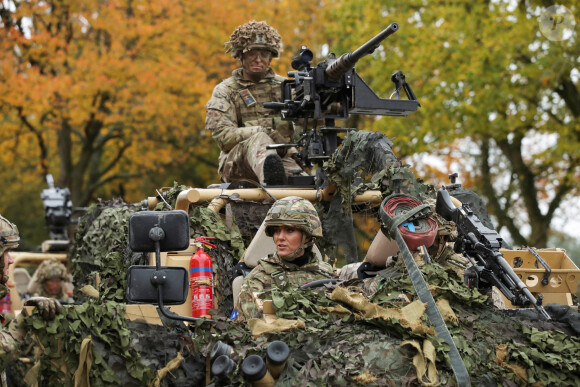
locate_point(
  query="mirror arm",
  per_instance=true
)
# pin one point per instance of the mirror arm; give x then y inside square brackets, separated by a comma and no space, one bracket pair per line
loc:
[158,279]
[174,316]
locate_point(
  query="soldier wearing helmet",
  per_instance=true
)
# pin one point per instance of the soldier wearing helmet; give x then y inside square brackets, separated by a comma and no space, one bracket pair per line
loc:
[49,280]
[12,334]
[294,224]
[237,119]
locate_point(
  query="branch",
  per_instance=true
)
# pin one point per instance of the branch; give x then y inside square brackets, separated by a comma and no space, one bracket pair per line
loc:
[569,93]
[88,192]
[118,157]
[493,201]
[39,139]
[534,102]
[513,152]
[565,187]
[102,140]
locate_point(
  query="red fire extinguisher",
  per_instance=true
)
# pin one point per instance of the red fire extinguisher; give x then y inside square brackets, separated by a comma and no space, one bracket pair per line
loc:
[201,279]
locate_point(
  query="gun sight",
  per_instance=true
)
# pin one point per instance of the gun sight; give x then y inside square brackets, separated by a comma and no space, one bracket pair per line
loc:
[303,60]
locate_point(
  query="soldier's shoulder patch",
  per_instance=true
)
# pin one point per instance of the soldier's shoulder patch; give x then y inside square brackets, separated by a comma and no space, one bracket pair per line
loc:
[248,98]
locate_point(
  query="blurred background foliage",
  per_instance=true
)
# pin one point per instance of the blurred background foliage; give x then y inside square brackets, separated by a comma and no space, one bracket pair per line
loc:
[108,97]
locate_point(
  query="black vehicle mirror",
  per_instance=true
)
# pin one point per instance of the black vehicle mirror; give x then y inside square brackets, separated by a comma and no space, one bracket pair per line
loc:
[156,231]
[143,283]
[174,224]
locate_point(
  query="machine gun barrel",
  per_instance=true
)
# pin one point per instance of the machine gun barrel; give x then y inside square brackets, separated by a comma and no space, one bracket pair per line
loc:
[347,61]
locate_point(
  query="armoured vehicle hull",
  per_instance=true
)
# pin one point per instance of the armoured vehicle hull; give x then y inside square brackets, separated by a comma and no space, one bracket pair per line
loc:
[335,338]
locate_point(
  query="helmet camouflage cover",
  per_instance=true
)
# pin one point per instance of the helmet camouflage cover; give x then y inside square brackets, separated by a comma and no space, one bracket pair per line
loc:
[9,238]
[296,212]
[50,269]
[254,35]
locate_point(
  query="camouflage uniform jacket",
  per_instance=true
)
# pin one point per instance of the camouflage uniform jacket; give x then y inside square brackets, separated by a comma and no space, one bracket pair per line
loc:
[235,111]
[10,337]
[273,272]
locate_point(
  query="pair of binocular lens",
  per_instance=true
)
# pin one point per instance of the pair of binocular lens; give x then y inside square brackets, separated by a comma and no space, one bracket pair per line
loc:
[221,364]
[262,373]
[259,371]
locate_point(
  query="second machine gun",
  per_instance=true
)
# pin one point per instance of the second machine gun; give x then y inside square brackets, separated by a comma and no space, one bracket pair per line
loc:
[58,214]
[333,90]
[481,245]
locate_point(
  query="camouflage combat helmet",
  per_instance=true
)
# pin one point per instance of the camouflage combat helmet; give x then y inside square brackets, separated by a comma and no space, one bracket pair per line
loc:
[296,212]
[9,236]
[254,35]
[50,269]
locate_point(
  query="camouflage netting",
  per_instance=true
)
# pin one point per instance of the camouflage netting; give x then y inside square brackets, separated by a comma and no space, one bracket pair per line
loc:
[94,343]
[345,344]
[365,161]
[375,342]
[100,247]
[368,156]
[93,338]
[247,216]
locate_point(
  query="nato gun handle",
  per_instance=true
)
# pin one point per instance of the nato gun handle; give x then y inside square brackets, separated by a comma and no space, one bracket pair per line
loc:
[339,67]
[274,105]
[444,205]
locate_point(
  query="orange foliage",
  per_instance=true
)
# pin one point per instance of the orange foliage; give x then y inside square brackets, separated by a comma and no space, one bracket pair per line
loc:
[109,94]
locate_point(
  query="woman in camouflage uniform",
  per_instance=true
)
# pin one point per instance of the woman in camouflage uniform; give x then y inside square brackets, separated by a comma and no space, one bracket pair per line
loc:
[294,224]
[11,334]
[237,119]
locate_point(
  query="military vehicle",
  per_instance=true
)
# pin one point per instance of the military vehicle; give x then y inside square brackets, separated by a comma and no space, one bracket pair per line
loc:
[376,325]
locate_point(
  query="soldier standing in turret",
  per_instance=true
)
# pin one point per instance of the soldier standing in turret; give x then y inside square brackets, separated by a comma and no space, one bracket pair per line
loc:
[12,334]
[238,121]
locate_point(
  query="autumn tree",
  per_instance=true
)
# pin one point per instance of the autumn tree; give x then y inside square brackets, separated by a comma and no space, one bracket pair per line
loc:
[108,96]
[499,100]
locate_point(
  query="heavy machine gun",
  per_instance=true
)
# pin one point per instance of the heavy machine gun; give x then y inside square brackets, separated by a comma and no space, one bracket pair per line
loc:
[333,90]
[58,210]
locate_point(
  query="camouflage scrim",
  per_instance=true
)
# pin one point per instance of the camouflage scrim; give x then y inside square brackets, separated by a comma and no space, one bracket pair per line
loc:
[296,212]
[254,35]
[101,247]
[271,273]
[242,127]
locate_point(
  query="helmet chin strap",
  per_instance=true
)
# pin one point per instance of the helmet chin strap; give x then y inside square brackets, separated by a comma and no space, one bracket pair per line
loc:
[300,250]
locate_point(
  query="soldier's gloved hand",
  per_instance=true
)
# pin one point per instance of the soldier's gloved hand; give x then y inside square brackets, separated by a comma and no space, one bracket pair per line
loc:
[278,138]
[48,307]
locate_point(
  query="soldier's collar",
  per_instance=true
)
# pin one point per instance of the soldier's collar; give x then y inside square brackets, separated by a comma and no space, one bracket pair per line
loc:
[237,73]
[276,259]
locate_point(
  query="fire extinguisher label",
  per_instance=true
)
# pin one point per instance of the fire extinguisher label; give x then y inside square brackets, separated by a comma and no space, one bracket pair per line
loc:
[200,269]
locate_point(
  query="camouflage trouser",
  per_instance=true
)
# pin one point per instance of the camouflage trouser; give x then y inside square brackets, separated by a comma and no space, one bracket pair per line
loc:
[246,160]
